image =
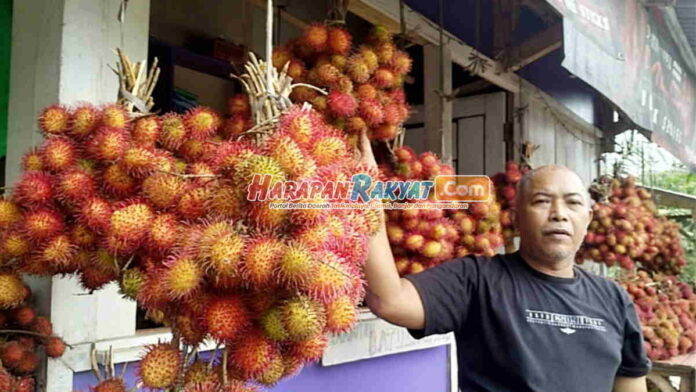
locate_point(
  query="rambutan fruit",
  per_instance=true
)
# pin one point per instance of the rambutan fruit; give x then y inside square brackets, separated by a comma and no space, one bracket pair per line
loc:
[342,104]
[315,235]
[392,114]
[405,154]
[54,120]
[108,144]
[226,317]
[202,122]
[366,91]
[28,364]
[146,131]
[288,154]
[138,161]
[252,354]
[42,326]
[228,201]
[75,185]
[401,63]
[258,165]
[115,116]
[330,278]
[85,119]
[11,354]
[230,153]
[272,324]
[281,55]
[160,366]
[341,314]
[264,218]
[339,61]
[130,282]
[297,265]
[54,346]
[320,104]
[131,220]
[355,125]
[224,253]
[15,245]
[6,381]
[395,233]
[95,213]
[358,69]
[164,234]
[310,349]
[57,251]
[384,132]
[42,223]
[296,70]
[379,34]
[32,161]
[302,94]
[194,202]
[162,189]
[183,275]
[110,385]
[34,188]
[236,125]
[327,74]
[238,104]
[329,147]
[261,259]
[23,315]
[413,242]
[385,52]
[9,213]
[199,372]
[300,124]
[371,111]
[316,37]
[190,327]
[273,373]
[339,40]
[303,318]
[173,132]
[383,78]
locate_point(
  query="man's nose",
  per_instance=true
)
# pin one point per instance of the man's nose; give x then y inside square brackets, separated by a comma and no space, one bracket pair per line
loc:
[558,211]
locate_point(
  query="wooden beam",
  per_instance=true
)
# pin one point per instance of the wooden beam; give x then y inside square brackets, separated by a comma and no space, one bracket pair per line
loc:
[542,9]
[285,15]
[470,88]
[669,198]
[437,79]
[386,13]
[536,47]
[661,382]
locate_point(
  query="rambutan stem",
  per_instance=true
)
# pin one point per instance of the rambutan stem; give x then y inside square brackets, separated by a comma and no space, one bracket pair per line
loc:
[224,368]
[94,363]
[190,175]
[212,358]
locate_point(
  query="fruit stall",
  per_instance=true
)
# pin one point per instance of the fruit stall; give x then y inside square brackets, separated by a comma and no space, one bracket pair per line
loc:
[127,240]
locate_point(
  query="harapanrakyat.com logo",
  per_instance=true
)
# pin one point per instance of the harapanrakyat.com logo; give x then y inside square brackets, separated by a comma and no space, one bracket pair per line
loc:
[362,191]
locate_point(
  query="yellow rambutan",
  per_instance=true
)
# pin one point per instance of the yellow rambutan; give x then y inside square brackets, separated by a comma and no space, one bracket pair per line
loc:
[12,290]
[200,372]
[107,144]
[32,161]
[131,220]
[261,258]
[57,251]
[341,314]
[202,122]
[138,161]
[316,37]
[173,131]
[164,234]
[228,201]
[273,325]
[303,317]
[160,366]
[297,265]
[163,189]
[331,278]
[85,119]
[115,115]
[15,245]
[54,120]
[183,275]
[358,69]
[9,213]
[329,147]
[58,153]
[338,40]
[130,283]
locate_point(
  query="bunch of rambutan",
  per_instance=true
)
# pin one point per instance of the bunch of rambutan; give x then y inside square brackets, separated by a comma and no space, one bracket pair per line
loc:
[506,191]
[626,229]
[26,336]
[666,308]
[364,82]
[159,204]
[423,238]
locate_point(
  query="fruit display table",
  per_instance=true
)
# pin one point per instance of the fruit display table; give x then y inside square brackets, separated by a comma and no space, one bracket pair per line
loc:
[683,366]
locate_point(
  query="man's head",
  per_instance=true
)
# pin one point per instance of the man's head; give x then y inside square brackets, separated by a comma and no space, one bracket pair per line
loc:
[553,212]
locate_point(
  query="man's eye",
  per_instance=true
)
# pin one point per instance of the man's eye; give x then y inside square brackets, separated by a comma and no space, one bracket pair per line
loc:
[541,201]
[575,202]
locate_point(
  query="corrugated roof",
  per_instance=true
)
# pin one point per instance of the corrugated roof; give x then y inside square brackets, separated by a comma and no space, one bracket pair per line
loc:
[686,13]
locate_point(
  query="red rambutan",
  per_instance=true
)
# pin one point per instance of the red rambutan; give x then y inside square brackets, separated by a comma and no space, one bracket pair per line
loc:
[85,119]
[316,37]
[42,223]
[202,122]
[173,132]
[371,111]
[54,120]
[160,366]
[108,144]
[226,317]
[342,104]
[115,115]
[339,40]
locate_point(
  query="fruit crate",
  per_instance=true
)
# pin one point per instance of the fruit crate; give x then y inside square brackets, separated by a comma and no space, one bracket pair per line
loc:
[683,366]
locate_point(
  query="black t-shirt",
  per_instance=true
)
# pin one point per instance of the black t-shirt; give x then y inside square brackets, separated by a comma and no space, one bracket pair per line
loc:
[518,329]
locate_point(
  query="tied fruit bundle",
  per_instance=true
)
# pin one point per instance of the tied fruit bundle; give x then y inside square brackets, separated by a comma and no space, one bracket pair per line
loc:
[506,190]
[159,204]
[364,82]
[666,308]
[626,229]
[423,238]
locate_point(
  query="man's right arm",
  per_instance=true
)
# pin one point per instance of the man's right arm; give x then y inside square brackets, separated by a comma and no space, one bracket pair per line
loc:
[390,297]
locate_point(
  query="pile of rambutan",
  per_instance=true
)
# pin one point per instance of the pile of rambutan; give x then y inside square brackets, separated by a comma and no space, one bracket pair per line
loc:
[666,308]
[24,336]
[423,238]
[626,229]
[506,190]
[364,82]
[159,205]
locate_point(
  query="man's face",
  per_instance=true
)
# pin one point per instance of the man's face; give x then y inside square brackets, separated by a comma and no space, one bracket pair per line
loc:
[553,215]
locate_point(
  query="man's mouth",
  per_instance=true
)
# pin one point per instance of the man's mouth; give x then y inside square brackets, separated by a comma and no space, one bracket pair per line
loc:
[557,233]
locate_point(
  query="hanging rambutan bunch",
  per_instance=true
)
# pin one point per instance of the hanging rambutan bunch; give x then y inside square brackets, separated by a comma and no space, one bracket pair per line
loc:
[226,317]
[54,120]
[303,318]
[253,353]
[331,277]
[146,131]
[339,40]
[85,119]
[107,144]
[202,122]
[358,69]
[297,265]
[42,223]
[173,132]
[160,366]
[316,37]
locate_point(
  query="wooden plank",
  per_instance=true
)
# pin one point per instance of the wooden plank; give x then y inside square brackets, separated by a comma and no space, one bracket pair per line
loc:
[536,47]
[661,383]
[438,110]
[386,13]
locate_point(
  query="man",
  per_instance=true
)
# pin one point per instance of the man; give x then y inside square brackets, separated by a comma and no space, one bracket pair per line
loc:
[525,321]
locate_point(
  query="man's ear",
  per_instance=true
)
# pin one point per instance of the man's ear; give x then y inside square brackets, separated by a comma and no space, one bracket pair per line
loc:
[591,213]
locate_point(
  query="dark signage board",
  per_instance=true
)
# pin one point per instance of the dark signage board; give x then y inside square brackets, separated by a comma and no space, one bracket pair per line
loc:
[622,50]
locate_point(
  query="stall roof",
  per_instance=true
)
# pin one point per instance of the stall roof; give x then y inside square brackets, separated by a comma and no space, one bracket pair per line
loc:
[686,12]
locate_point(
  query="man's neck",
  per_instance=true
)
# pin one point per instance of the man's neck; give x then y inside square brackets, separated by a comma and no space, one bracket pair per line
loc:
[562,269]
